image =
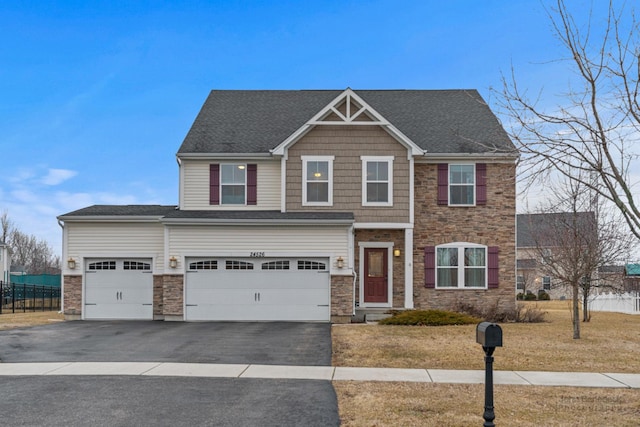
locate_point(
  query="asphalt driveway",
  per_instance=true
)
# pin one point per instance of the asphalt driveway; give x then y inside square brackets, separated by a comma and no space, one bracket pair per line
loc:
[127,401]
[275,343]
[170,401]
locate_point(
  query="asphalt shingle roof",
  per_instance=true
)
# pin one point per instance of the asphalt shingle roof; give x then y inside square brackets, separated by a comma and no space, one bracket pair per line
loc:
[170,212]
[256,121]
[528,224]
[260,215]
[122,210]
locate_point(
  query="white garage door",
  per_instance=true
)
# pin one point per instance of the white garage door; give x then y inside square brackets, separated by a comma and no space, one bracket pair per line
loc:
[257,289]
[118,289]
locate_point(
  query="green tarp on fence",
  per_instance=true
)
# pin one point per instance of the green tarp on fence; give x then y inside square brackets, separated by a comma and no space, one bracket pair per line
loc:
[36,279]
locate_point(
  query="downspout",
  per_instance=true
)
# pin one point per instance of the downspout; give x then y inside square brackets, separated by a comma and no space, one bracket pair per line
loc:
[64,257]
[353,269]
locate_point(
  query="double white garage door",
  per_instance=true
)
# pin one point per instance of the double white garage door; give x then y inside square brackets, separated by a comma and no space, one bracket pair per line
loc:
[238,289]
[255,289]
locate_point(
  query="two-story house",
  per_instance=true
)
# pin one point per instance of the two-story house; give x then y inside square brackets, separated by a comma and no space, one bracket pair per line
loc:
[550,233]
[309,205]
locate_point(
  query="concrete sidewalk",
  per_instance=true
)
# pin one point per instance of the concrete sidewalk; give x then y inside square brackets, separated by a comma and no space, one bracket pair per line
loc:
[328,373]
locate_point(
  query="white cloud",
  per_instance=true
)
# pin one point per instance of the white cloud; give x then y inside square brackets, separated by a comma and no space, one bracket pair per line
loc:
[58,176]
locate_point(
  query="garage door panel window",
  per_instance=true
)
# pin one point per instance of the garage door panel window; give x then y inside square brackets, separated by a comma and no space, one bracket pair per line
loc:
[102,265]
[275,265]
[136,265]
[204,265]
[311,265]
[238,265]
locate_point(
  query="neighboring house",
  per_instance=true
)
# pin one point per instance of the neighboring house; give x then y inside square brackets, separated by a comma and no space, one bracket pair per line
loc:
[536,232]
[5,262]
[310,205]
[632,278]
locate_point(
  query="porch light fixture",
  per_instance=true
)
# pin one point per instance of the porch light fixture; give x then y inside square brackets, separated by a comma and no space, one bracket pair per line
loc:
[71,263]
[396,252]
[340,262]
[173,262]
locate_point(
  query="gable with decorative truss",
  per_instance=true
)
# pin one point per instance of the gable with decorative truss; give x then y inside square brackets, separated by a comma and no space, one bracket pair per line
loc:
[348,109]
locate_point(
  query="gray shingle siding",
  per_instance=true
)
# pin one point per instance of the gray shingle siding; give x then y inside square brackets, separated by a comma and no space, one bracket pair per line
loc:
[438,121]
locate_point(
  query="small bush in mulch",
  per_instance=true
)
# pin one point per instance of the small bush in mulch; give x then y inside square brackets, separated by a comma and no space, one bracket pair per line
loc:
[428,318]
[493,312]
[543,296]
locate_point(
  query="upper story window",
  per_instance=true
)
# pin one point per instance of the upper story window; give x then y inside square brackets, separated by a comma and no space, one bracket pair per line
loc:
[233,184]
[546,283]
[461,265]
[317,177]
[462,184]
[377,181]
[233,179]
[462,180]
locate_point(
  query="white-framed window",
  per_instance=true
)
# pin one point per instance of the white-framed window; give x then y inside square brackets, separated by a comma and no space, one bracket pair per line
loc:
[546,283]
[377,180]
[461,265]
[520,282]
[233,184]
[317,180]
[462,184]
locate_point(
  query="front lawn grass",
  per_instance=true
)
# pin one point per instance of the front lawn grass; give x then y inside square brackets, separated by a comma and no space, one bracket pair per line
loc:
[610,343]
[10,320]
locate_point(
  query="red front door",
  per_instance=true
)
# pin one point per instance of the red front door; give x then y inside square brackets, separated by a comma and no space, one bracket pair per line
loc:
[375,275]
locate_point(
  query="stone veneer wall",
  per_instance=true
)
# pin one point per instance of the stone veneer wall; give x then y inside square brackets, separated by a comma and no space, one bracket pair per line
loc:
[491,225]
[172,295]
[395,236]
[73,296]
[341,298]
[158,297]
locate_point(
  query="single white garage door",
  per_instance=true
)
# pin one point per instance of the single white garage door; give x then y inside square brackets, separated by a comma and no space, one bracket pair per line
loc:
[118,289]
[264,289]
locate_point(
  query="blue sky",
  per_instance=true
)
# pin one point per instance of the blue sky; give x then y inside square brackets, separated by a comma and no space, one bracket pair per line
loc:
[97,96]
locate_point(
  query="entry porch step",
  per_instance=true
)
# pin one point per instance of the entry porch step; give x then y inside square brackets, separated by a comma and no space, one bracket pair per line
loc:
[370,314]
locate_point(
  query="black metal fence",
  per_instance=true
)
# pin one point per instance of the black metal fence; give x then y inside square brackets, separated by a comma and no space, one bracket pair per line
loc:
[22,297]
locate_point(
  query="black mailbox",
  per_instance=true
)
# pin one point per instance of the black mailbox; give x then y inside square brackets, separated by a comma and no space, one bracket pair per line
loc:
[489,334]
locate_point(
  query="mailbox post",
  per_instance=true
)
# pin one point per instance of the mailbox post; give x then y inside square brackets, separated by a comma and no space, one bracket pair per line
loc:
[489,336]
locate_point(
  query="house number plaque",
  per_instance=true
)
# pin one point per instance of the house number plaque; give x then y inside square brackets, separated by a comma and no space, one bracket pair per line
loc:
[256,254]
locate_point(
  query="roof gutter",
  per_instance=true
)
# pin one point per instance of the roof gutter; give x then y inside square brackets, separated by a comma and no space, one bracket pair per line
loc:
[256,222]
[110,218]
[468,156]
[211,156]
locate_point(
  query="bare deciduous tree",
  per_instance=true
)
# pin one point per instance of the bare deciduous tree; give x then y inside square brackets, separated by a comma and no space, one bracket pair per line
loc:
[35,255]
[592,133]
[574,237]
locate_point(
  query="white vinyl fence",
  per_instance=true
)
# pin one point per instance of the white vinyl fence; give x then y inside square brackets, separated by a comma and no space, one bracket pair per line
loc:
[628,303]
